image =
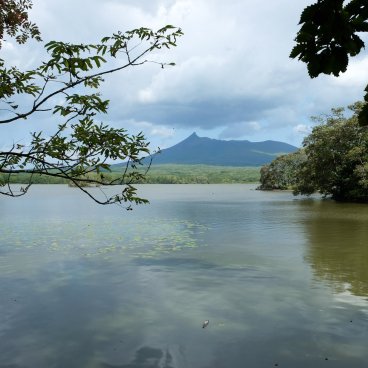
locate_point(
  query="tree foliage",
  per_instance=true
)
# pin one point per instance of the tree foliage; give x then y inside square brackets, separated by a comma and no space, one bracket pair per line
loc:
[328,35]
[334,160]
[337,158]
[14,21]
[66,86]
[281,172]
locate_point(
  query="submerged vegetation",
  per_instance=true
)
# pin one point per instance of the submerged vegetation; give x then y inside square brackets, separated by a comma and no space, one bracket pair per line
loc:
[333,160]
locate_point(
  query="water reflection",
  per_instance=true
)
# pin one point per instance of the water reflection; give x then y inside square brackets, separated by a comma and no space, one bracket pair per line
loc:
[97,289]
[148,357]
[338,245]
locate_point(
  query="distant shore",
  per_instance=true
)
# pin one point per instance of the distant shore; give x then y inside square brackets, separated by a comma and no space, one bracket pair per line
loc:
[170,174]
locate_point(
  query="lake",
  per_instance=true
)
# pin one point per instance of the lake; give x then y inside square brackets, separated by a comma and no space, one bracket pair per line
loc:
[282,280]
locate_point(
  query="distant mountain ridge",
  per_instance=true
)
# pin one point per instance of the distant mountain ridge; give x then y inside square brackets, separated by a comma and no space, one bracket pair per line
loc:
[196,150]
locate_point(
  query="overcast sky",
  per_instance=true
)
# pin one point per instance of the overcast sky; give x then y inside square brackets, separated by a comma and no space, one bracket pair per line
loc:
[233,78]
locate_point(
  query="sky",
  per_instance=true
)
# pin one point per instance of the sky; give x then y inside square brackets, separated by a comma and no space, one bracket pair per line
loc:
[233,77]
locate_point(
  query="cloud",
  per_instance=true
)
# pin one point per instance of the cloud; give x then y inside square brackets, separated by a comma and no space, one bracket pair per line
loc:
[7,46]
[356,76]
[232,67]
[302,129]
[241,129]
[159,132]
[206,114]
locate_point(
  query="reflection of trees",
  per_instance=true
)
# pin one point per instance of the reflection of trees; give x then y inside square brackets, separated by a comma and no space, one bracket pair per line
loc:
[338,245]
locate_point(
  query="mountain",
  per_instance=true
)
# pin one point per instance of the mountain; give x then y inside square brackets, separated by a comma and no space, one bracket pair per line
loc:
[201,150]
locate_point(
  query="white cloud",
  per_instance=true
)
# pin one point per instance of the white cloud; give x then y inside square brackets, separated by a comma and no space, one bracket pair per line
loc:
[233,73]
[146,95]
[7,46]
[254,125]
[241,129]
[302,129]
[195,77]
[147,128]
[159,135]
[161,131]
[356,76]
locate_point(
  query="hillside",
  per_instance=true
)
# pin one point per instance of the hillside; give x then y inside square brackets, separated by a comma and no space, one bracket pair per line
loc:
[196,150]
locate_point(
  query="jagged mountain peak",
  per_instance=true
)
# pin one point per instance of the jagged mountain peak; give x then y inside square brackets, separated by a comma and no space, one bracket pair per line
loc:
[202,150]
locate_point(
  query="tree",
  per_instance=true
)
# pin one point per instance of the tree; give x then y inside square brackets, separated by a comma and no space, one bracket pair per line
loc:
[329,35]
[333,160]
[337,158]
[80,144]
[281,172]
[14,21]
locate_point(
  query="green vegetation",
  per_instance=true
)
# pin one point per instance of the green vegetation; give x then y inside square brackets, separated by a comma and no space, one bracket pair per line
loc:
[328,35]
[14,21]
[67,86]
[200,174]
[167,174]
[334,160]
[281,172]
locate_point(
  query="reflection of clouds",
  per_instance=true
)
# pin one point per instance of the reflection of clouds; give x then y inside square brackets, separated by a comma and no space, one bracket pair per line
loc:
[150,358]
[347,297]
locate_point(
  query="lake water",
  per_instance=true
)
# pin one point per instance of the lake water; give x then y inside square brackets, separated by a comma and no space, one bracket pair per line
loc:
[282,280]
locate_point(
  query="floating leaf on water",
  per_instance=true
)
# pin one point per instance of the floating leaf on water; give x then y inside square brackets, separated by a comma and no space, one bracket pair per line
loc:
[122,236]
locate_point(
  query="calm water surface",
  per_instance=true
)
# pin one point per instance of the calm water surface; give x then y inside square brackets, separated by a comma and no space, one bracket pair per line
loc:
[282,280]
